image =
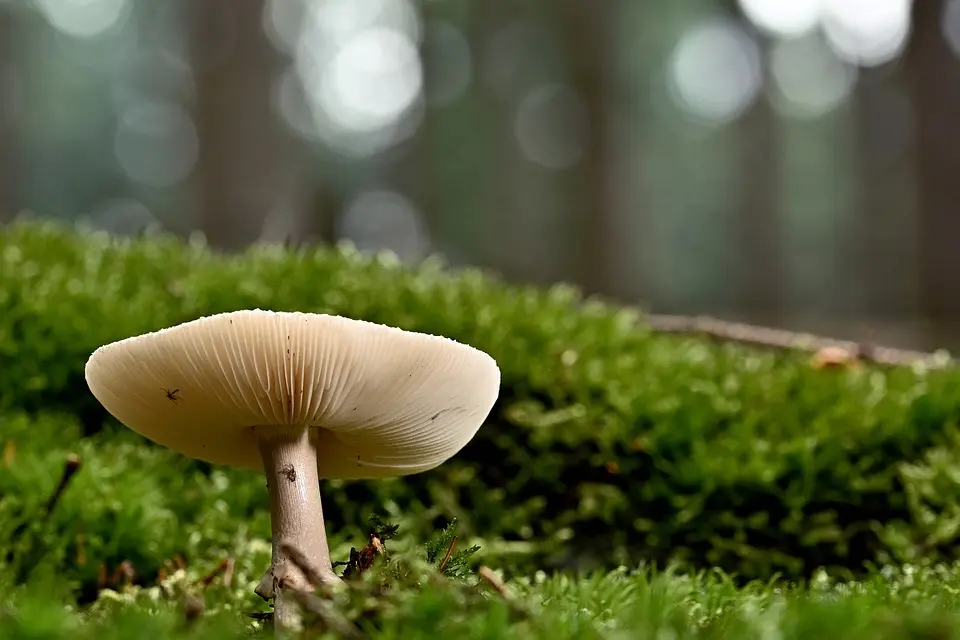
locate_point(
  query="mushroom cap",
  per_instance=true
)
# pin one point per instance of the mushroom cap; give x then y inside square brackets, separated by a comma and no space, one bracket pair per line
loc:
[384,401]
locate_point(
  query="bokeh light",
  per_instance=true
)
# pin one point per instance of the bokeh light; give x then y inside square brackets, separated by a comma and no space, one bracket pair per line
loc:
[375,91]
[371,81]
[783,18]
[714,72]
[950,24]
[519,56]
[551,126]
[809,80]
[156,144]
[867,32]
[359,70]
[383,220]
[282,22]
[84,18]
[451,69]
[151,75]
[122,216]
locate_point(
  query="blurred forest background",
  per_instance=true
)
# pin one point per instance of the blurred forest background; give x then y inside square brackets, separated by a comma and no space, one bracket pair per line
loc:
[787,162]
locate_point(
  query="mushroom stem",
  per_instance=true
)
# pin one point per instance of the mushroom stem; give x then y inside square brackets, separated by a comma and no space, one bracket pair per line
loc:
[296,516]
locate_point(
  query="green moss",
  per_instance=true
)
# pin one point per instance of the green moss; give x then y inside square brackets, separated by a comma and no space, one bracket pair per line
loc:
[610,443]
[916,602]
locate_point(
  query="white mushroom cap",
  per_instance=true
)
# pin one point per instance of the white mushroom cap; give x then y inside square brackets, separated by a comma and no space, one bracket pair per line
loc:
[388,402]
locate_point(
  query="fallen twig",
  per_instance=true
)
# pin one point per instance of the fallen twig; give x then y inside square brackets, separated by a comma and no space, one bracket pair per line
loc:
[790,340]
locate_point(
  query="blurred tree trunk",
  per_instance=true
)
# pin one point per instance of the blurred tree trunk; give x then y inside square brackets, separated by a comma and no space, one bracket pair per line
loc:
[247,159]
[412,170]
[934,72]
[886,250]
[762,235]
[9,98]
[761,239]
[453,169]
[588,31]
[319,222]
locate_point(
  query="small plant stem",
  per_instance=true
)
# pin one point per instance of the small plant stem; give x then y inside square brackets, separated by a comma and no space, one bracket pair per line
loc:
[70,468]
[446,557]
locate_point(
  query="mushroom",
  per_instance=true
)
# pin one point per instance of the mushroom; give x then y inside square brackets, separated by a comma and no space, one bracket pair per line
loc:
[301,396]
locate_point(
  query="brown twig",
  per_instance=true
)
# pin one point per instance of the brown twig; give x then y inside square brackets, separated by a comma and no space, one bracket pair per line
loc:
[70,468]
[487,575]
[446,557]
[789,340]
[310,572]
[228,572]
[193,608]
[225,568]
[328,615]
[124,571]
[81,549]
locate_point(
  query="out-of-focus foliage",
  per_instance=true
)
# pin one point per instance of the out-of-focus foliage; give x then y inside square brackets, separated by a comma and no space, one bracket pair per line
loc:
[609,443]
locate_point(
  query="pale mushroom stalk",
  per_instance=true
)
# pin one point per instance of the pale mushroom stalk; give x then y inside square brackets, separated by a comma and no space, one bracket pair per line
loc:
[296,515]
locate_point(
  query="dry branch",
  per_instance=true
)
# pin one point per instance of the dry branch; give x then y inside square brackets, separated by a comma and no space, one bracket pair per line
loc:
[782,339]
